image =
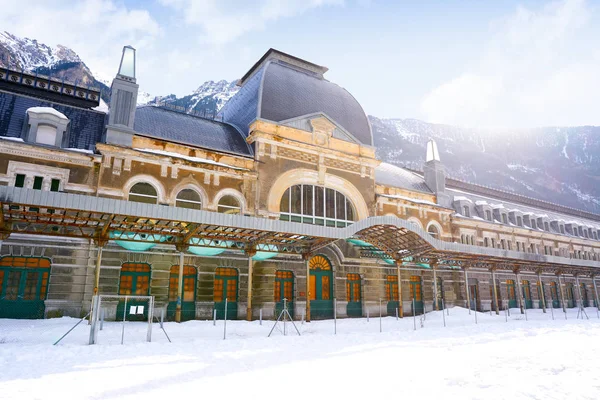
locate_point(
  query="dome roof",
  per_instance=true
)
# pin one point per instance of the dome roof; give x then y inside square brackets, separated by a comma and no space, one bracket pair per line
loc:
[281,87]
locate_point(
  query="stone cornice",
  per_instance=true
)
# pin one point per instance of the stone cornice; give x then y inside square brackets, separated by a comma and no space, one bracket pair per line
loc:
[32,151]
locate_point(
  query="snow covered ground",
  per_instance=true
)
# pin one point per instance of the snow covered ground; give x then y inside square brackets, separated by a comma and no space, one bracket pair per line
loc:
[536,359]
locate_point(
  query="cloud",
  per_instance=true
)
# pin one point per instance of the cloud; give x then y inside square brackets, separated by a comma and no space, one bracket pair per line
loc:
[95,29]
[538,69]
[223,21]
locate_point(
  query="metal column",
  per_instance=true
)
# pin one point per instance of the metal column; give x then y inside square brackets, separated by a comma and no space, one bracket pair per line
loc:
[435,289]
[497,306]
[579,291]
[542,294]
[251,254]
[306,258]
[562,293]
[520,289]
[467,290]
[179,288]
[97,270]
[596,292]
[400,308]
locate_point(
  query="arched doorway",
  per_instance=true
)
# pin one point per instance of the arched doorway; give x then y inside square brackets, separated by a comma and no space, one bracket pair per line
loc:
[527,294]
[23,286]
[391,294]
[416,294]
[321,287]
[284,289]
[188,294]
[511,293]
[134,281]
[354,308]
[225,288]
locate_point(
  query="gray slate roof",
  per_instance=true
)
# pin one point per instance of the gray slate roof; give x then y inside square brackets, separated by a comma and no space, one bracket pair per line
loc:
[279,92]
[188,129]
[391,175]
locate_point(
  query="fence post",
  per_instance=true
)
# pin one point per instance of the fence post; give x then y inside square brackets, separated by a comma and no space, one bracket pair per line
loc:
[380,327]
[225,321]
[443,314]
[101,318]
[335,316]
[215,317]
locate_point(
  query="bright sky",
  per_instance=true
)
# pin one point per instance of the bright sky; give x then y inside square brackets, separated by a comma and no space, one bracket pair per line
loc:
[473,63]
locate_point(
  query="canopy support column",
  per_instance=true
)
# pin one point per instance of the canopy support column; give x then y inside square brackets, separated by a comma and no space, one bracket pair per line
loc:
[100,246]
[542,294]
[562,293]
[468,292]
[400,308]
[495,291]
[596,292]
[579,291]
[436,304]
[250,253]
[520,289]
[306,258]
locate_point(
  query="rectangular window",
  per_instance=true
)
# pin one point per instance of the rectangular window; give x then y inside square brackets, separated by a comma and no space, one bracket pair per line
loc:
[55,185]
[37,182]
[20,180]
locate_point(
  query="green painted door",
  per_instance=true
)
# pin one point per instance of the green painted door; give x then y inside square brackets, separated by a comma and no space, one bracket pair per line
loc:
[284,289]
[584,295]
[570,295]
[391,294]
[135,281]
[554,295]
[23,287]
[512,293]
[416,294]
[321,288]
[527,294]
[226,288]
[187,296]
[353,294]
[473,294]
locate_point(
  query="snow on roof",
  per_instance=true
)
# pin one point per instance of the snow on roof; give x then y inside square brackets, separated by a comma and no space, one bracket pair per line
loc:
[462,198]
[13,139]
[419,201]
[46,110]
[500,205]
[481,202]
[188,158]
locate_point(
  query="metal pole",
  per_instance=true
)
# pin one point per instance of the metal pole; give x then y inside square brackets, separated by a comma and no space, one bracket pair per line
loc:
[520,291]
[306,261]
[552,312]
[435,290]
[96,277]
[101,318]
[162,317]
[225,321]
[400,306]
[250,273]
[380,327]
[396,313]
[467,291]
[214,317]
[260,316]
[506,314]
[443,314]
[284,316]
[414,314]
[179,288]
[150,318]
[596,293]
[542,294]
[496,305]
[74,326]
[581,307]
[367,313]
[124,318]
[335,316]
[475,312]
[562,295]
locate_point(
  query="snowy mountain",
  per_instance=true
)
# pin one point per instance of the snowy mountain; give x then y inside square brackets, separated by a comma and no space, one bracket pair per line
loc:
[560,165]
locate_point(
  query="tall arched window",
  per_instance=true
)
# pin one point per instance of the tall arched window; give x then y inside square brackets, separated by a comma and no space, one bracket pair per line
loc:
[188,198]
[316,205]
[433,231]
[229,205]
[143,192]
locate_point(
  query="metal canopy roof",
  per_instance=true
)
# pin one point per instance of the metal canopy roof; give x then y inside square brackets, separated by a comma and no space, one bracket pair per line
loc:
[101,219]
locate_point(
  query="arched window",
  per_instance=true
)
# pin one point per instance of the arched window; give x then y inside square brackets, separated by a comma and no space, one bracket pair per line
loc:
[143,192]
[316,205]
[229,205]
[188,198]
[433,231]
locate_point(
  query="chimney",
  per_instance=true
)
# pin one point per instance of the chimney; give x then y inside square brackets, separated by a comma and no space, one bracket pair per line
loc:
[123,101]
[435,174]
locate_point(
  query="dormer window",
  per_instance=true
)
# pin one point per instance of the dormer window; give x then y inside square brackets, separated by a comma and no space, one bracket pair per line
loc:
[466,211]
[46,125]
[520,221]
[504,219]
[488,215]
[533,224]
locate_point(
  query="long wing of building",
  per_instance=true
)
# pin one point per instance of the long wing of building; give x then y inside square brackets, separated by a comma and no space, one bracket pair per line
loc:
[277,201]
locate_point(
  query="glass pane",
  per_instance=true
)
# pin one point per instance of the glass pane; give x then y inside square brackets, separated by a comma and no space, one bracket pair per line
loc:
[313,287]
[12,285]
[296,197]
[229,205]
[284,206]
[143,193]
[127,67]
[31,281]
[340,202]
[20,180]
[349,211]
[318,201]
[308,199]
[54,185]
[330,203]
[188,198]
[277,290]
[37,182]
[189,288]
[325,287]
